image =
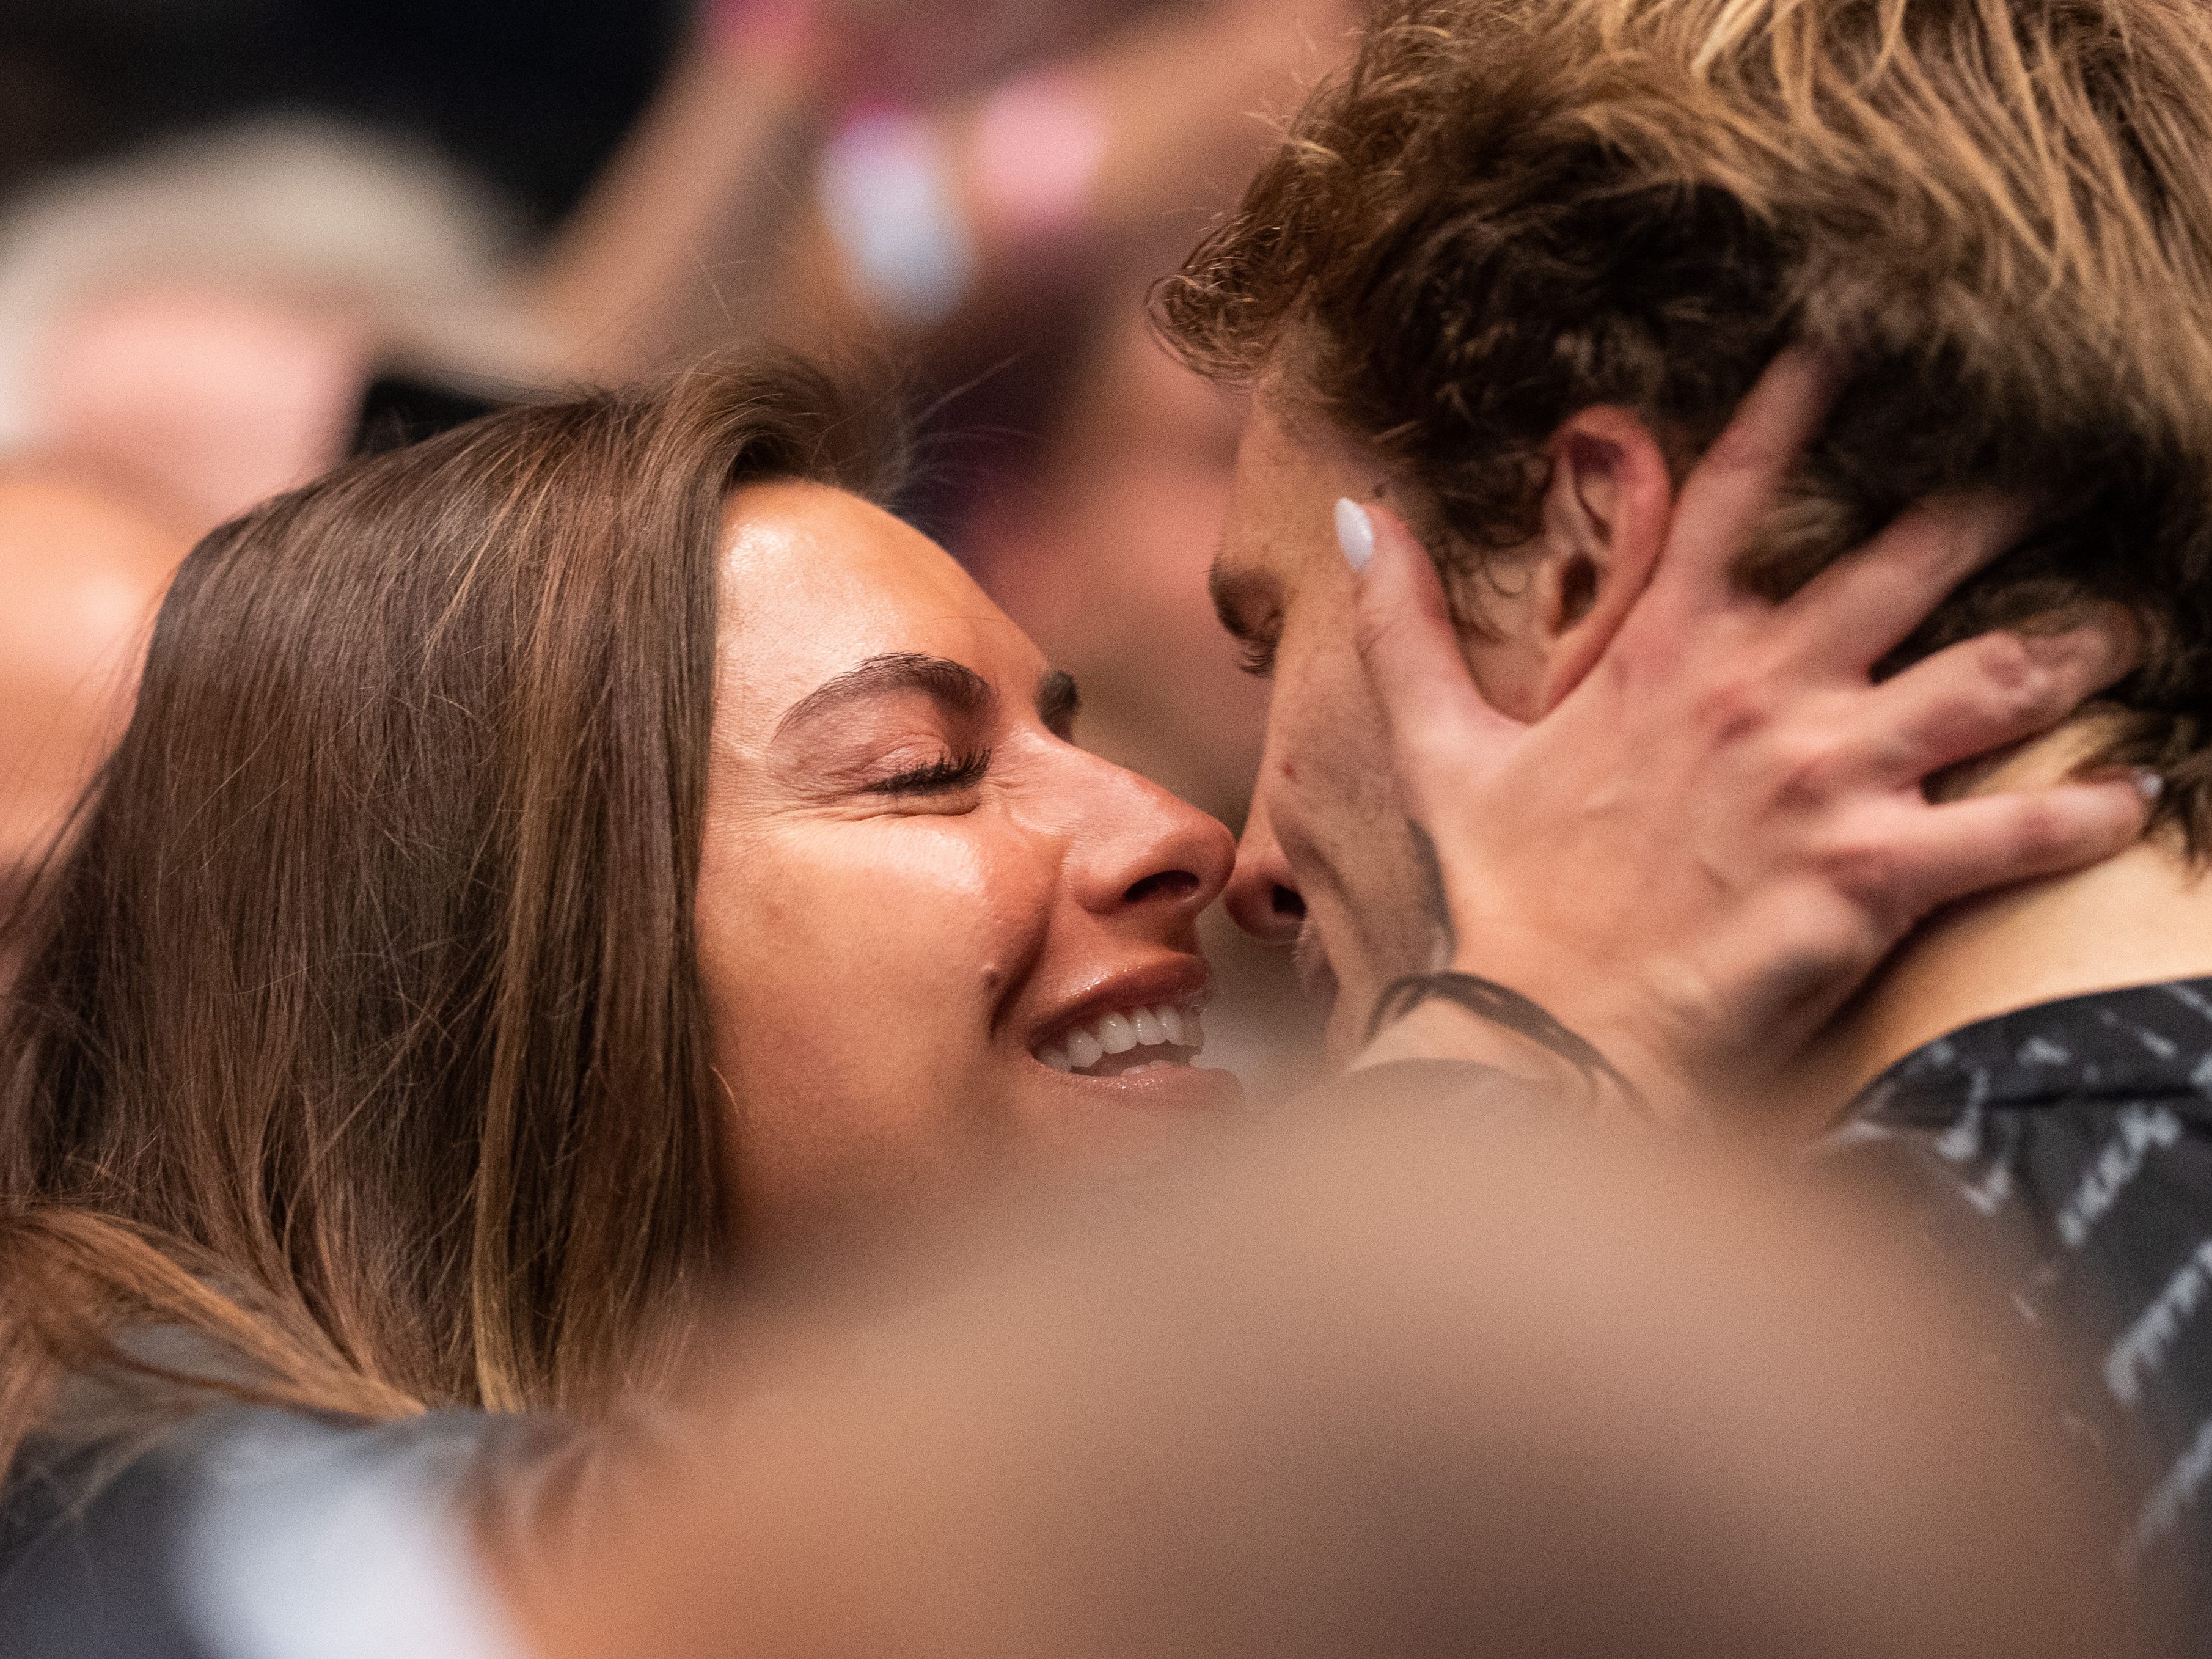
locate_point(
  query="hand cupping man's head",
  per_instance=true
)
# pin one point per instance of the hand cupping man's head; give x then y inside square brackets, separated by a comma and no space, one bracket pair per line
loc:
[1513,270]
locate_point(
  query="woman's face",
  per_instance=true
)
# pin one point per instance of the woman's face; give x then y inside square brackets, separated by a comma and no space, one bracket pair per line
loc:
[933,932]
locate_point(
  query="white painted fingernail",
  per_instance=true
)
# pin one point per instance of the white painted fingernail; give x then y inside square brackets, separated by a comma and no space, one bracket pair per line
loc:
[1355,534]
[2148,784]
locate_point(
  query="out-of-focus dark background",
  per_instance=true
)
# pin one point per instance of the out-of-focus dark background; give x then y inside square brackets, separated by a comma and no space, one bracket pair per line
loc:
[531,97]
[237,234]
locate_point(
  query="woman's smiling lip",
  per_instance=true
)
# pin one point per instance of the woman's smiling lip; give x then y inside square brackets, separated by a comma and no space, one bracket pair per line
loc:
[1131,1037]
[1180,981]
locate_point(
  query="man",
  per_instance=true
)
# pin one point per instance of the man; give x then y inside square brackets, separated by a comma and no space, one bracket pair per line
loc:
[1510,275]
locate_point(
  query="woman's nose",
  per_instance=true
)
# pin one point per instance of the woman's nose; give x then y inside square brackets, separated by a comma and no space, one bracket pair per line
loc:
[1162,855]
[1263,897]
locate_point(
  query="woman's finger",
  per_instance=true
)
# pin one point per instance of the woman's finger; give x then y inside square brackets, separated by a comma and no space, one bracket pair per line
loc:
[1985,694]
[1440,727]
[1932,856]
[1867,604]
[1738,480]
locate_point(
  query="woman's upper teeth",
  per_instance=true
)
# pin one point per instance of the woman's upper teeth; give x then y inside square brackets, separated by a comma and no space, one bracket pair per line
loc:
[1165,1026]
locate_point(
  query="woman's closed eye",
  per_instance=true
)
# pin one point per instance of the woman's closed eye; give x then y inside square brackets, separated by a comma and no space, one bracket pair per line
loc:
[946,775]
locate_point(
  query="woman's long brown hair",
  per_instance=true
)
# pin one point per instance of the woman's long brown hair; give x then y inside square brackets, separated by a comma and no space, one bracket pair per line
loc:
[358,1029]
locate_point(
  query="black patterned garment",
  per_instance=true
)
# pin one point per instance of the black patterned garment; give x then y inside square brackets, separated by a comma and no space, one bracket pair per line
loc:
[2072,1142]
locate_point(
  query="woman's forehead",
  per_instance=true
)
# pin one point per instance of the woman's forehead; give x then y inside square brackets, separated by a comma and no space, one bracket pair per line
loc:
[815,581]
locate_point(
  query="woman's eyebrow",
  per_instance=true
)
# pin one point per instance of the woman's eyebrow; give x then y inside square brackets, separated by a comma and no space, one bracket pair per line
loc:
[956,688]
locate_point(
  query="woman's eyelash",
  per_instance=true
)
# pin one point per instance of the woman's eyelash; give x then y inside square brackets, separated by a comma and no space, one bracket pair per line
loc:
[939,777]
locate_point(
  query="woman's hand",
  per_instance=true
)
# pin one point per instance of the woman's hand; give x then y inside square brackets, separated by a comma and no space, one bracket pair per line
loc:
[1712,841]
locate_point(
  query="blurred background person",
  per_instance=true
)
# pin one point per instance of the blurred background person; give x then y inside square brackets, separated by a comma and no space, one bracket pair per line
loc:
[200,323]
[1391,1384]
[82,566]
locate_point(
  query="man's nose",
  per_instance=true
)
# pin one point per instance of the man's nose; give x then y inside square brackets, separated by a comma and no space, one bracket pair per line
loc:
[1263,897]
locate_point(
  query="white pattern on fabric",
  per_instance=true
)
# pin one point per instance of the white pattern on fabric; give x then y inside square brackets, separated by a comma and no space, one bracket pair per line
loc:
[2120,1161]
[2067,1148]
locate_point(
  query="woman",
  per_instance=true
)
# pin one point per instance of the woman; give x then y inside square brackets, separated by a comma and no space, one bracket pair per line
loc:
[545,867]
[467,949]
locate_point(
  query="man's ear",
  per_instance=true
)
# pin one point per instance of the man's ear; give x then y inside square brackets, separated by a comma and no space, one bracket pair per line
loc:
[1606,513]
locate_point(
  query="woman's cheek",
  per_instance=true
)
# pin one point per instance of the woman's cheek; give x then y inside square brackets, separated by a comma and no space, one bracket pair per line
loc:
[853,974]
[965,901]
[893,933]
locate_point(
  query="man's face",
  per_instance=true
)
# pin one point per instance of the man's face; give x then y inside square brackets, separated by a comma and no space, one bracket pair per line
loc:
[1329,858]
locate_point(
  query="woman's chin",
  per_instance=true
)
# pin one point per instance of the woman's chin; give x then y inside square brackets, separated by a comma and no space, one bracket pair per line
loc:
[1109,1127]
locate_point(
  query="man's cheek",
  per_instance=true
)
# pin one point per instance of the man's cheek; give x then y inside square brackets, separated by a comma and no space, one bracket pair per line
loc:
[1347,1030]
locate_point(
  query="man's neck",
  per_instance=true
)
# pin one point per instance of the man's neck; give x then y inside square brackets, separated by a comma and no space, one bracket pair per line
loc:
[2138,919]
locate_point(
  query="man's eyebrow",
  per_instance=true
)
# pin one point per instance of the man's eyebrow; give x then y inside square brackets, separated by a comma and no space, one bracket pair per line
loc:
[1058,701]
[953,687]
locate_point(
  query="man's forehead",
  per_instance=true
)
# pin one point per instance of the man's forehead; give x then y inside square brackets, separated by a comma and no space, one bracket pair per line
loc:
[1268,494]
[1292,467]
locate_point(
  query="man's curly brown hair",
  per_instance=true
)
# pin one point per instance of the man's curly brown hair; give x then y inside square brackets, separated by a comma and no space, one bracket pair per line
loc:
[1999,212]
